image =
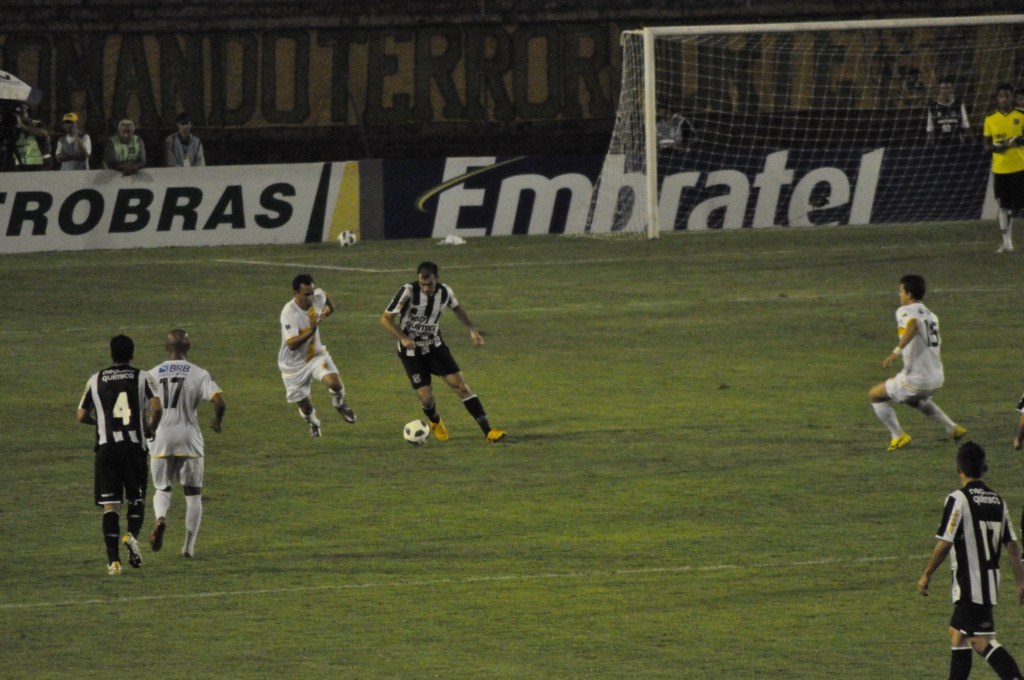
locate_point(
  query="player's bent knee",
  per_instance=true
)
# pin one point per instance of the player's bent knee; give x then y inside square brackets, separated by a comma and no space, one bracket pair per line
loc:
[984,644]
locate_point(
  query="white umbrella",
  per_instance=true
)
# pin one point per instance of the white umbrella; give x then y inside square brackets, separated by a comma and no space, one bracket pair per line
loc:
[13,88]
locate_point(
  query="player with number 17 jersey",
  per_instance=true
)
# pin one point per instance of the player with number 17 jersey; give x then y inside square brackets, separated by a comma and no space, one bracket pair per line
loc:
[181,387]
[922,365]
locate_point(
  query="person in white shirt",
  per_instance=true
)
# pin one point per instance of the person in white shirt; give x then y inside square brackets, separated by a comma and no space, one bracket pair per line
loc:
[177,450]
[922,375]
[183,149]
[303,356]
[74,147]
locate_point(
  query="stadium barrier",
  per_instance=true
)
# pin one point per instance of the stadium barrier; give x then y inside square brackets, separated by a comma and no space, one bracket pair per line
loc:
[478,196]
[208,206]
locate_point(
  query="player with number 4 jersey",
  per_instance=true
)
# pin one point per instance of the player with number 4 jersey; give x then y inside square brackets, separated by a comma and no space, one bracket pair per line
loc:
[115,402]
[920,345]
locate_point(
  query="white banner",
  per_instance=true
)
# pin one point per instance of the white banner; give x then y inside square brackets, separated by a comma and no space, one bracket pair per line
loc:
[207,206]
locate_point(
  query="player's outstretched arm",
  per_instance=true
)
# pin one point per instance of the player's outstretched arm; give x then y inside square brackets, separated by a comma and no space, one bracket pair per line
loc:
[905,339]
[1013,554]
[387,320]
[942,549]
[474,334]
[219,407]
[1018,440]
[156,413]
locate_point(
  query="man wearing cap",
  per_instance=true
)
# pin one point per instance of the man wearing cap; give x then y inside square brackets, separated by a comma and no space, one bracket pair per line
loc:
[125,151]
[182,149]
[32,146]
[74,147]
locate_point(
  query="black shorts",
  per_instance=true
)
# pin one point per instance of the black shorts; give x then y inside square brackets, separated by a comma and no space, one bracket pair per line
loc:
[973,619]
[122,473]
[438,361]
[1009,190]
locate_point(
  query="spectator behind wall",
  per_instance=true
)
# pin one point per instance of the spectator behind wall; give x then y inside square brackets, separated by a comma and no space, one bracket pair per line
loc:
[183,149]
[32,144]
[125,151]
[73,147]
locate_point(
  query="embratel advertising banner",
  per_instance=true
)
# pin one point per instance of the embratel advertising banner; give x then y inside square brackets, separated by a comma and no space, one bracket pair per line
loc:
[494,196]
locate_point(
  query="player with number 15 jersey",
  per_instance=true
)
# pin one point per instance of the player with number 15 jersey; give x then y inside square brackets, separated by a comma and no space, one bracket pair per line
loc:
[922,366]
[919,345]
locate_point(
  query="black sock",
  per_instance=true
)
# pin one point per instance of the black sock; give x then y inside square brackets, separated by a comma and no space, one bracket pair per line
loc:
[431,413]
[960,664]
[476,409]
[136,516]
[1002,663]
[112,535]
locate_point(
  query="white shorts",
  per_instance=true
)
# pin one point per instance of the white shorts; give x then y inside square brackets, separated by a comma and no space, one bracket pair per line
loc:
[188,470]
[297,385]
[900,391]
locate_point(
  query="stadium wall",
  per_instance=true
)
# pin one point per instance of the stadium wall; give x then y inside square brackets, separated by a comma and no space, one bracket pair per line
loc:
[475,196]
[233,205]
[303,81]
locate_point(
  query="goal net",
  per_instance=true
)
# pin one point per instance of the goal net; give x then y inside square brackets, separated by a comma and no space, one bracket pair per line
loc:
[725,127]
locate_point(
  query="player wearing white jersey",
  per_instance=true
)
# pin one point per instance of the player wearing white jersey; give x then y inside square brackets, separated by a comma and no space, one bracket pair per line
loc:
[177,450]
[919,345]
[303,356]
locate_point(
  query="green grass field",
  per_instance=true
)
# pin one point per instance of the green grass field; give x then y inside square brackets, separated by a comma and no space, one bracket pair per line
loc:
[694,484]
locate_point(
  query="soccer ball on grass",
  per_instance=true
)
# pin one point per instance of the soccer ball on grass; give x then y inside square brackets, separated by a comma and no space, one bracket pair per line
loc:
[347,238]
[416,432]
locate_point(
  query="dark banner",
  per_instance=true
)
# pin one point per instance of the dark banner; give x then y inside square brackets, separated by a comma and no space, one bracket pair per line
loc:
[329,77]
[489,196]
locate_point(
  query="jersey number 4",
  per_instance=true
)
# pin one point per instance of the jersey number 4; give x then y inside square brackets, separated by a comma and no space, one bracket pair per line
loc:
[122,409]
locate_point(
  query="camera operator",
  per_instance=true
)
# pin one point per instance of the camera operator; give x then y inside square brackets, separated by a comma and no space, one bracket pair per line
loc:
[74,147]
[32,145]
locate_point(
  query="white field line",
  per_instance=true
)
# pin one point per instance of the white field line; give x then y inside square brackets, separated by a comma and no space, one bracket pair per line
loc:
[562,263]
[465,581]
[406,270]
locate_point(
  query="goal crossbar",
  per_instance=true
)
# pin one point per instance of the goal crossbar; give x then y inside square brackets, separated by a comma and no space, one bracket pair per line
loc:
[856,25]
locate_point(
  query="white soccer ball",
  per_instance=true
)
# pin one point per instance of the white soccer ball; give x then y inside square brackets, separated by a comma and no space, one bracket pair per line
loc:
[416,432]
[347,238]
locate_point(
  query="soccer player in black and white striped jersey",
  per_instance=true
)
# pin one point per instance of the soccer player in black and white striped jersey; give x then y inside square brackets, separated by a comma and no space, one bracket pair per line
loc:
[115,401]
[975,527]
[947,119]
[412,318]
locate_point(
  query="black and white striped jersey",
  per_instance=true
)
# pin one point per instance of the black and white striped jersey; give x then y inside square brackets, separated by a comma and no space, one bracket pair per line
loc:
[419,314]
[976,522]
[119,395]
[947,120]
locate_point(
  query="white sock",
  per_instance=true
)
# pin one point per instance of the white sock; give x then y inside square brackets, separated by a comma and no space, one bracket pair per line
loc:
[338,398]
[1005,226]
[193,517]
[931,409]
[887,414]
[161,503]
[311,418]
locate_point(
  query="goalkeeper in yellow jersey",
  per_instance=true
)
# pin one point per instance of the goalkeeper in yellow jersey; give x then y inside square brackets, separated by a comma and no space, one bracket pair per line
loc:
[1003,137]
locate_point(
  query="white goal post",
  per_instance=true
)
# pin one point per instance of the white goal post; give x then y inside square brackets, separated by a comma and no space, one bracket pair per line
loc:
[801,124]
